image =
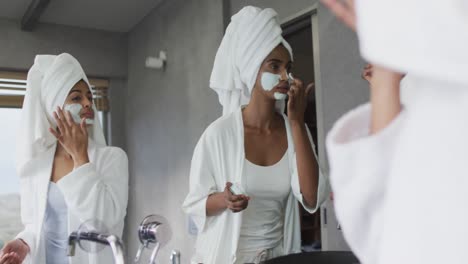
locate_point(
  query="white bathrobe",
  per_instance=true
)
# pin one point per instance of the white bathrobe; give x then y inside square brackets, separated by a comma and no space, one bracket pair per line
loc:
[96,190]
[401,194]
[218,158]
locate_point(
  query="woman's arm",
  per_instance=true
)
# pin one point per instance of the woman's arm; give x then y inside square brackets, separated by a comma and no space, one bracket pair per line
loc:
[305,159]
[215,204]
[99,190]
[92,190]
[384,97]
[306,164]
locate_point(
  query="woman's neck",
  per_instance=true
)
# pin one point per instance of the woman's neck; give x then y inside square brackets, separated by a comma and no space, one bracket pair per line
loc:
[260,112]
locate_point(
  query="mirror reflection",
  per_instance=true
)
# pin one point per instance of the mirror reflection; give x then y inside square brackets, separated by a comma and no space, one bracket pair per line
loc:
[230,131]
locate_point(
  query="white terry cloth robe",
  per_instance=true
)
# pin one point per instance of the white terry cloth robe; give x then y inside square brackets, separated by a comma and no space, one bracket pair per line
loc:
[218,158]
[400,194]
[96,190]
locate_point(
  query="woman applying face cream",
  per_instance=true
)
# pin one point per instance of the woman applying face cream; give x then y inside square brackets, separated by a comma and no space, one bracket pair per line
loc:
[68,174]
[252,166]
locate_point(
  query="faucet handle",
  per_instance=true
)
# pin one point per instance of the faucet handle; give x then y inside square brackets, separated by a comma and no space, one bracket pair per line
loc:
[147,230]
[154,229]
[154,254]
[154,232]
[175,257]
[140,250]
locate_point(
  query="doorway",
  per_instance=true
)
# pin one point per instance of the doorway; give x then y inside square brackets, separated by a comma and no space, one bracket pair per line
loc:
[298,33]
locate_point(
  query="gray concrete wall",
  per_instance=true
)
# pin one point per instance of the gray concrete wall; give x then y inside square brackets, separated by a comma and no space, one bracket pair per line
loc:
[167,110]
[341,89]
[340,67]
[101,53]
[283,8]
[118,102]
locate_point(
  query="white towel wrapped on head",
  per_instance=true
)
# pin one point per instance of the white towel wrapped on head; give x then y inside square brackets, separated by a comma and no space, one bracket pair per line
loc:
[252,34]
[49,82]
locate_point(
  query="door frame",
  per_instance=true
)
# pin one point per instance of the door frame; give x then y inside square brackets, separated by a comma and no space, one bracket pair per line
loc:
[331,237]
[312,12]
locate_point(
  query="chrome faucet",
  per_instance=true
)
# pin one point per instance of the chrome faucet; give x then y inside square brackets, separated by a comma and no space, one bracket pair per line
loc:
[175,257]
[147,232]
[113,241]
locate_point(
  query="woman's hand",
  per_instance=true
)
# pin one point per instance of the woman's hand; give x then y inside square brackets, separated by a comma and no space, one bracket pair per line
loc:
[297,102]
[235,203]
[343,10]
[14,252]
[367,73]
[73,137]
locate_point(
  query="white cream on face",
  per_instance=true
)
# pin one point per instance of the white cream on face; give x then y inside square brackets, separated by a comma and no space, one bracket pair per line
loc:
[75,110]
[270,80]
[280,96]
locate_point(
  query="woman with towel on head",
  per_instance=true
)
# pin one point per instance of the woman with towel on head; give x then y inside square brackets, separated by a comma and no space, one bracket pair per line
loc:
[252,165]
[68,174]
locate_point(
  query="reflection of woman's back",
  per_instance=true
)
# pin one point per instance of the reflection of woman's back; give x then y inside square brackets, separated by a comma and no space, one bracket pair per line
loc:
[68,175]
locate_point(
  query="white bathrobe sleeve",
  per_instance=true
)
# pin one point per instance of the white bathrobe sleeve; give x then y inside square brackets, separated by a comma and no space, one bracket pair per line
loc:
[359,166]
[202,182]
[323,185]
[102,194]
[27,235]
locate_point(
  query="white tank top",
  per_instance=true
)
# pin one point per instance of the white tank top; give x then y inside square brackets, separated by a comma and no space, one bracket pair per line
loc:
[55,228]
[263,219]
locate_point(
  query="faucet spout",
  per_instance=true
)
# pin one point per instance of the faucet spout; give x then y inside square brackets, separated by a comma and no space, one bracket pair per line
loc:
[117,248]
[72,239]
[111,240]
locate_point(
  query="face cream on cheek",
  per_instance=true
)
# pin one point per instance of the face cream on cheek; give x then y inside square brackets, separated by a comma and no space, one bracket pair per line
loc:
[75,110]
[269,81]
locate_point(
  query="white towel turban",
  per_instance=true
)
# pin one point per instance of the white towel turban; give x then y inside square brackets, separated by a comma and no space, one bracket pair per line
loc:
[49,82]
[252,34]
